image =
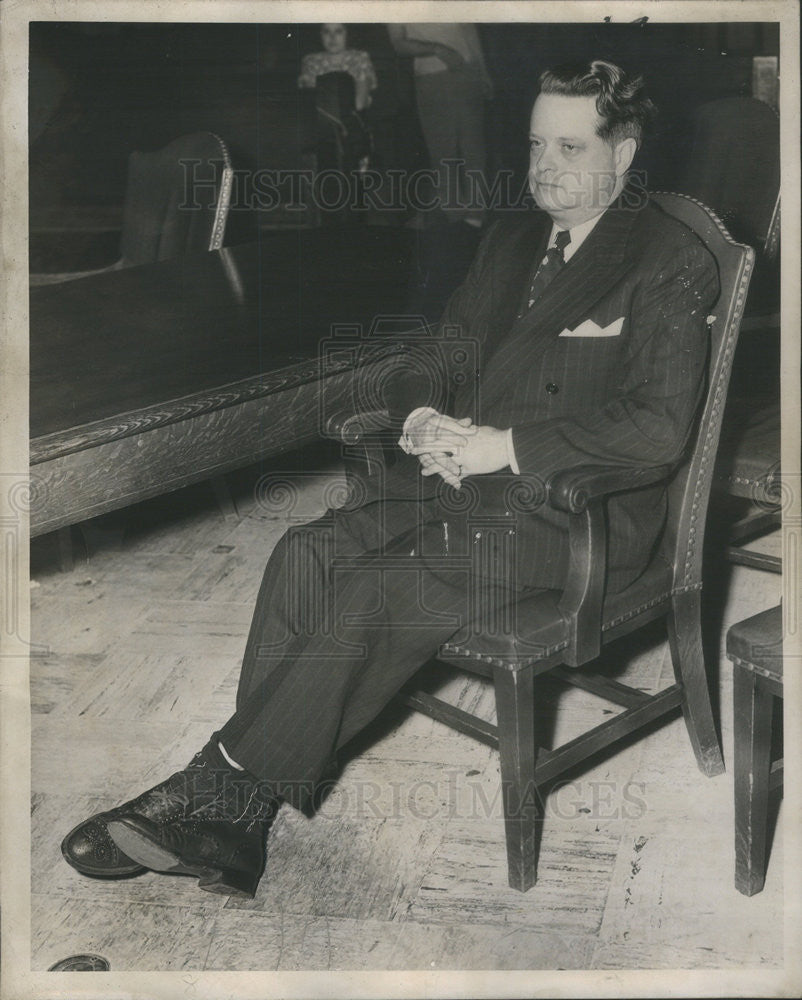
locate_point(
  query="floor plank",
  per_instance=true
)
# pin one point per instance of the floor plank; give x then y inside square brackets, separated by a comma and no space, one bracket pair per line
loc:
[158,936]
[285,941]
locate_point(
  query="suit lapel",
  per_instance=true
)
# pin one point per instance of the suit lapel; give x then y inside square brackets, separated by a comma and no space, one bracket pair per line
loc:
[598,264]
[605,256]
[516,273]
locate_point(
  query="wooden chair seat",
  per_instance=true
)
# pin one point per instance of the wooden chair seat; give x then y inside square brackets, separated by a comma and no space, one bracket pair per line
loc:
[749,463]
[541,631]
[756,645]
[749,468]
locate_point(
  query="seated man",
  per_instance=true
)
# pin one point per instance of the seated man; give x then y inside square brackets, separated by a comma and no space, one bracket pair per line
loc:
[588,318]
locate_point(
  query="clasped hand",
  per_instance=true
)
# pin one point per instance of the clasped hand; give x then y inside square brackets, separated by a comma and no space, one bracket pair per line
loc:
[454,448]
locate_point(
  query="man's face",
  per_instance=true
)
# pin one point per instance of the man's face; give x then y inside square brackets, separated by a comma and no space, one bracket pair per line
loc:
[573,174]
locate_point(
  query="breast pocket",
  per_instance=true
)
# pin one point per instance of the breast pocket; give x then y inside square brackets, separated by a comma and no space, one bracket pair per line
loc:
[584,372]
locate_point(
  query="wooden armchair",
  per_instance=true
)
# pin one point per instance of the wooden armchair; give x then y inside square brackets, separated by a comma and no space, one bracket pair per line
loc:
[163,216]
[176,202]
[755,647]
[733,165]
[563,632]
[748,466]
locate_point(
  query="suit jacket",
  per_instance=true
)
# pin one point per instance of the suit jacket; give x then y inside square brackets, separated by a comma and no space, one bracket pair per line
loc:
[608,366]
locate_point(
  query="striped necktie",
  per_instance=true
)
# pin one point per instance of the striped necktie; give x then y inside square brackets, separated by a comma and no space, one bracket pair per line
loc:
[550,266]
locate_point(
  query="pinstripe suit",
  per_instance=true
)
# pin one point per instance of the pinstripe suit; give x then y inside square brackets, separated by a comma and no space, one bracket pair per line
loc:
[331,643]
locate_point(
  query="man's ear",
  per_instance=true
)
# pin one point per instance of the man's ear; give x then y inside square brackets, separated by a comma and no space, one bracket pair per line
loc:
[624,154]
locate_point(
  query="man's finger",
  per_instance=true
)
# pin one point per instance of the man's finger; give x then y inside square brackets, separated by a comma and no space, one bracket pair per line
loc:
[434,420]
[439,459]
[440,442]
[443,464]
[444,423]
[448,469]
[435,470]
[446,476]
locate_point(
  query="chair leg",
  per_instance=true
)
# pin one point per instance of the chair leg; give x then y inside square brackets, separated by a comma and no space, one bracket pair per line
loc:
[224,499]
[515,714]
[685,640]
[752,707]
[65,550]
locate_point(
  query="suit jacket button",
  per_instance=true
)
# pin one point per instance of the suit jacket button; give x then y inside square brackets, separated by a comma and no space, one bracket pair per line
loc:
[552,387]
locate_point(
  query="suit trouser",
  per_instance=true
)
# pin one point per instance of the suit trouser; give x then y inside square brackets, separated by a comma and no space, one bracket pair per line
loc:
[345,615]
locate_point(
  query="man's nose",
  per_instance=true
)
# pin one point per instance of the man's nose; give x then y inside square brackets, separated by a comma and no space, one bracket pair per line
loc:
[543,162]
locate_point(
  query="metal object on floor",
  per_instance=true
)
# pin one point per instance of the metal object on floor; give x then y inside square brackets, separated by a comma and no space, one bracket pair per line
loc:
[81,963]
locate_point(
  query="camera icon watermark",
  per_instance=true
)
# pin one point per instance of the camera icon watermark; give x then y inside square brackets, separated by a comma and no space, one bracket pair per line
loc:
[19,496]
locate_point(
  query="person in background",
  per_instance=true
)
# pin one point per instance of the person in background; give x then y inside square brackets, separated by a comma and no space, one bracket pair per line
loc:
[451,87]
[337,57]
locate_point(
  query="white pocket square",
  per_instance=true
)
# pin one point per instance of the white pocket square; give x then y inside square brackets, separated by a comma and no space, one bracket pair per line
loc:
[591,329]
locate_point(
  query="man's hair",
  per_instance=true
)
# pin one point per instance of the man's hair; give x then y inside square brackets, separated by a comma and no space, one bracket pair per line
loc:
[621,101]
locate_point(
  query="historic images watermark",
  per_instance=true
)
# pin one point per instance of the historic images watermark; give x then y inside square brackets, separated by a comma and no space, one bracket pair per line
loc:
[20,494]
[450,188]
[467,797]
[470,796]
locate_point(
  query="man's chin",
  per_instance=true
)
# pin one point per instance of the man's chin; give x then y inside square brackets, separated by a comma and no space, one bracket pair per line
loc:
[551,198]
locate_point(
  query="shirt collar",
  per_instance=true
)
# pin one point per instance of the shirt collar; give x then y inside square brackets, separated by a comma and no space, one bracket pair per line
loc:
[578,235]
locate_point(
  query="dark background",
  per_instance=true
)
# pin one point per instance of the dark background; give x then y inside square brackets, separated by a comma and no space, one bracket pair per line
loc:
[100,90]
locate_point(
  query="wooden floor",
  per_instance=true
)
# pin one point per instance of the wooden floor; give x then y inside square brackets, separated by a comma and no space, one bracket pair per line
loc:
[404,866]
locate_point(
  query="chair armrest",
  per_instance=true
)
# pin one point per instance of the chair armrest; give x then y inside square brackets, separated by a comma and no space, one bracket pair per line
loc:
[37,279]
[571,490]
[348,427]
[579,491]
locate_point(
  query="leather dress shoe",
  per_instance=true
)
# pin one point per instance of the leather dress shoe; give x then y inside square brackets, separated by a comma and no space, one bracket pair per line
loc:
[91,851]
[224,856]
[209,821]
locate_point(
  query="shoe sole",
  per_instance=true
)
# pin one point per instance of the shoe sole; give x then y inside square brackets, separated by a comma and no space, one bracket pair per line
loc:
[141,849]
[103,873]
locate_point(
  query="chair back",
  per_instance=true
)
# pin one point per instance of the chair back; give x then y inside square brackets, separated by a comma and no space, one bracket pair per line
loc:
[339,124]
[177,199]
[335,94]
[733,165]
[689,490]
[772,245]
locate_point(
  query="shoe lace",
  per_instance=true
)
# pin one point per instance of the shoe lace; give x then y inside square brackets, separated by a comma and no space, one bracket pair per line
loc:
[168,797]
[256,810]
[216,806]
